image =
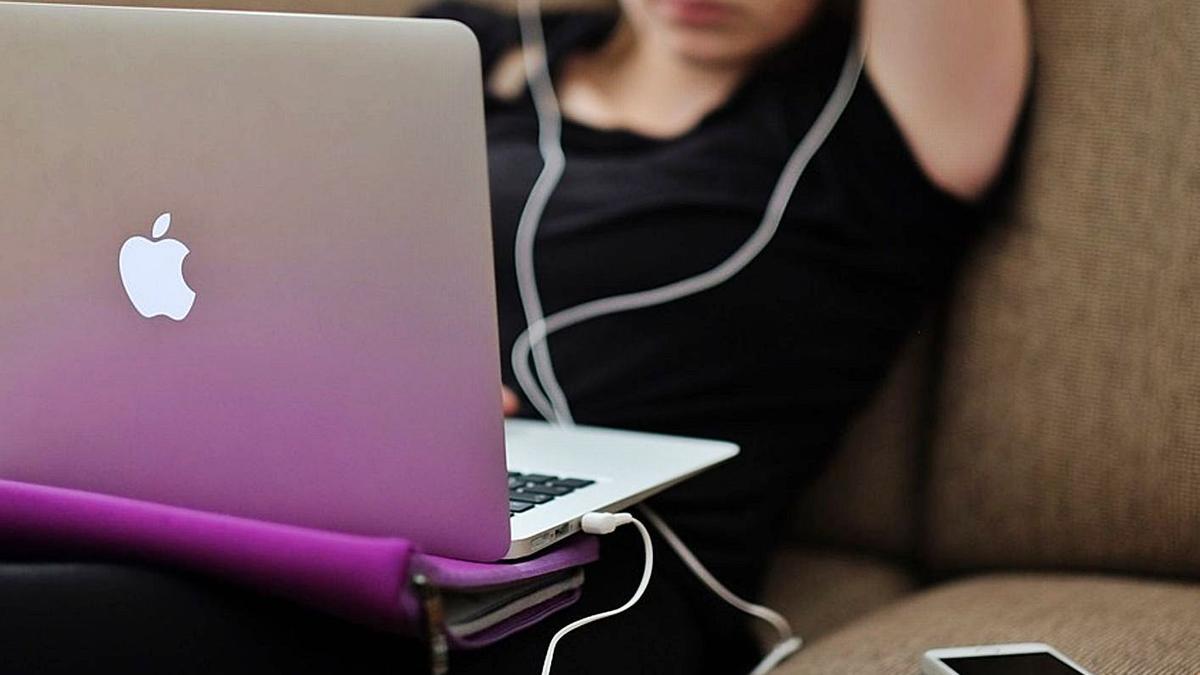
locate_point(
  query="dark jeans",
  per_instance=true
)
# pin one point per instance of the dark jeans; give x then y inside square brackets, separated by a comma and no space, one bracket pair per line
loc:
[74,617]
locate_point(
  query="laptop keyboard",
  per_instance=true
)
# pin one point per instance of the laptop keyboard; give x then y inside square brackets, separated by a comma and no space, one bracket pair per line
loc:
[527,490]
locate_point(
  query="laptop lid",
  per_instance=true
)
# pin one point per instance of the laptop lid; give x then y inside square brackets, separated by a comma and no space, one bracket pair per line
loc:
[245,266]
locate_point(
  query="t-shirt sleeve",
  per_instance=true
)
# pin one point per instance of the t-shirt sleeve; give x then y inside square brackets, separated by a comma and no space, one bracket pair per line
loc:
[881,175]
[495,31]
[889,210]
[883,183]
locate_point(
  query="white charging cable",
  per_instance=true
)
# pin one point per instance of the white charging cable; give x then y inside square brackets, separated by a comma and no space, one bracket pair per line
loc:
[605,523]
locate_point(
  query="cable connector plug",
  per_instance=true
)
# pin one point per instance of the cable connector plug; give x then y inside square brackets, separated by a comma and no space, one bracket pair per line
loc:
[604,523]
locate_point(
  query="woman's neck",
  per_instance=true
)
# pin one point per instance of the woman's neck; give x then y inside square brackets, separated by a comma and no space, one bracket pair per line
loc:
[635,84]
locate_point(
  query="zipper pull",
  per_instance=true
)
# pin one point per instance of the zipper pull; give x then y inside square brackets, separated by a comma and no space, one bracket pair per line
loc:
[431,602]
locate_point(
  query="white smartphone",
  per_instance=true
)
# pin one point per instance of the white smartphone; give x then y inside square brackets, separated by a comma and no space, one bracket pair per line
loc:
[1026,658]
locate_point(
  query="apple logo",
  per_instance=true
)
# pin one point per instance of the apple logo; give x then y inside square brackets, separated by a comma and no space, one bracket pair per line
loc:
[152,273]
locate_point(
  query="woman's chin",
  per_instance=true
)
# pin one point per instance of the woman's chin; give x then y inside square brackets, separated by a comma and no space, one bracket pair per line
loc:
[715,51]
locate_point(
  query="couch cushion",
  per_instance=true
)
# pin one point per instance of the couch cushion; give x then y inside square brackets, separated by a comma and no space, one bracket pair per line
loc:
[1108,625]
[1068,430]
[819,591]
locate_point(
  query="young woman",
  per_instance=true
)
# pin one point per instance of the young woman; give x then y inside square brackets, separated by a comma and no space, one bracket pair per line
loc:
[678,118]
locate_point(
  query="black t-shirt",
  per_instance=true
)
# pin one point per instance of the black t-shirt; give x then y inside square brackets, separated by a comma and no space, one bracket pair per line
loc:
[777,358]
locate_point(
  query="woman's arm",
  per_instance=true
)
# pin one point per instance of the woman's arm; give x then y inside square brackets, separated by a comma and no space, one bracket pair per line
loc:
[953,73]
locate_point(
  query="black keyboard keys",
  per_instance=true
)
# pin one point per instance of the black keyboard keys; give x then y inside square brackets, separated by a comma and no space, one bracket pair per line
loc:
[549,490]
[529,497]
[573,483]
[526,490]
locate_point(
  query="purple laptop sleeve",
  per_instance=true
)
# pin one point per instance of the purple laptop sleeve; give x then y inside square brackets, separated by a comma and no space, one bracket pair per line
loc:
[364,579]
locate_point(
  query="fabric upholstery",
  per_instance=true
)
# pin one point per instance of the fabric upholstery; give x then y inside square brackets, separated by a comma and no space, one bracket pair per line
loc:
[1107,625]
[1068,427]
[821,590]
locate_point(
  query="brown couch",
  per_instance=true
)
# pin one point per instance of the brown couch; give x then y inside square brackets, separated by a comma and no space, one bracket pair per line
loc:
[1031,471]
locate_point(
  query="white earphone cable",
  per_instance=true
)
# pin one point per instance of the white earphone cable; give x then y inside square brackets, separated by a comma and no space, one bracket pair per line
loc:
[543,388]
[788,643]
[534,338]
[553,405]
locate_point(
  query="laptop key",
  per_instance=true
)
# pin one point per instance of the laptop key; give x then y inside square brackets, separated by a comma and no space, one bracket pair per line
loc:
[530,497]
[518,507]
[573,483]
[551,490]
[538,478]
[515,483]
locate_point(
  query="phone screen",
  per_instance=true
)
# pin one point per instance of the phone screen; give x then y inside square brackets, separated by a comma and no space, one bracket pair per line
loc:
[1041,663]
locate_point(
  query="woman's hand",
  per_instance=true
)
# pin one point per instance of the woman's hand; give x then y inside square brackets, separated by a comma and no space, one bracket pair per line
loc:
[509,401]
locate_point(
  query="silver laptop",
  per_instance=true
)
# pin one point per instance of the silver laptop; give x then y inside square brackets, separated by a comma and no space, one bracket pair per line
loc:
[246,266]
